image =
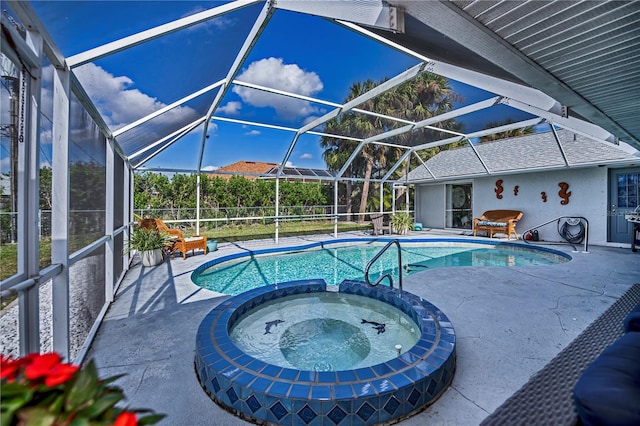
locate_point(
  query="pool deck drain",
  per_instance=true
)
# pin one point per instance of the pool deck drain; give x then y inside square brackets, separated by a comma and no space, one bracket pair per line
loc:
[509,322]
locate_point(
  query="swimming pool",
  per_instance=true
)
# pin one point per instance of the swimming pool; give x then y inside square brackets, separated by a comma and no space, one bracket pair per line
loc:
[346,259]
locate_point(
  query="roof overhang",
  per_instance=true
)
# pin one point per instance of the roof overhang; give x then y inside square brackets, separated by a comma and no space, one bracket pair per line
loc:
[598,41]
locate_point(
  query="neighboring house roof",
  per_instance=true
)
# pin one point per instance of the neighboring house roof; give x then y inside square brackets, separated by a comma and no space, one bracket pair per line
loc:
[259,169]
[248,169]
[521,154]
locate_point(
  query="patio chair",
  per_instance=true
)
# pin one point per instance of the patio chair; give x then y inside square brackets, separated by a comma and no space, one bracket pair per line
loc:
[378,224]
[178,242]
[160,226]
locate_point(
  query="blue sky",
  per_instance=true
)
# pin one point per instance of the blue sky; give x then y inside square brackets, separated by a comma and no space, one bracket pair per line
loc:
[297,53]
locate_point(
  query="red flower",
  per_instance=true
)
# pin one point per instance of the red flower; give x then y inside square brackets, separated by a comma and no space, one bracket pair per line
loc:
[50,367]
[8,368]
[60,374]
[126,418]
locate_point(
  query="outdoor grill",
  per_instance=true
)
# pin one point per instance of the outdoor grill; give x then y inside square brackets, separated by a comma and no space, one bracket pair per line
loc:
[634,218]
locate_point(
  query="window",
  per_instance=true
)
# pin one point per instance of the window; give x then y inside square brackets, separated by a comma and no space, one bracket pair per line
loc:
[629,190]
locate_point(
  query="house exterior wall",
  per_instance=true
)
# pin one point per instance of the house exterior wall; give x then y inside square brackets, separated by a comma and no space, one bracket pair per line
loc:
[588,190]
[429,209]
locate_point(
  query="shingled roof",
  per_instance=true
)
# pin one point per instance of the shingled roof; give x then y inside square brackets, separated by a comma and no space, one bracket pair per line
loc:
[521,154]
[259,169]
[248,169]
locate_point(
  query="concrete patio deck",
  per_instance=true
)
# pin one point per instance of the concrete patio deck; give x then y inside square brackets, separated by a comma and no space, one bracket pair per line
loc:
[509,323]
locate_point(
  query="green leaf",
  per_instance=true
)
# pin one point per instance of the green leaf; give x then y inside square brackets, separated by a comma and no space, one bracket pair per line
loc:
[151,419]
[36,416]
[14,396]
[101,405]
[9,390]
[79,421]
[111,379]
[57,404]
[6,417]
[83,388]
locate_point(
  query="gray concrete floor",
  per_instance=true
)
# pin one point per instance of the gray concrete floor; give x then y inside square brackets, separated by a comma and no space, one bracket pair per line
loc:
[509,323]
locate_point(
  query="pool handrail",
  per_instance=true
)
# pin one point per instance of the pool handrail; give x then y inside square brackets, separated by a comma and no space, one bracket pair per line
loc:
[388,276]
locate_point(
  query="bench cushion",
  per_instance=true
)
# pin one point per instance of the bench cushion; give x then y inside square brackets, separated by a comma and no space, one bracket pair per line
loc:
[489,223]
[192,239]
[608,393]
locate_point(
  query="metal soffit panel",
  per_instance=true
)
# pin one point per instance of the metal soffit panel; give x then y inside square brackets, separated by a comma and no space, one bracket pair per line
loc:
[592,47]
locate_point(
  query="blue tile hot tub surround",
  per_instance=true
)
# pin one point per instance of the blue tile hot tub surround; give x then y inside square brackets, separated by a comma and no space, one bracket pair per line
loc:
[386,392]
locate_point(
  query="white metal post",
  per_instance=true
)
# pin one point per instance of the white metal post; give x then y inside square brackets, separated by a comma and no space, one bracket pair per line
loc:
[335,208]
[109,219]
[198,205]
[381,197]
[406,197]
[28,201]
[277,206]
[128,187]
[393,199]
[60,211]
[126,192]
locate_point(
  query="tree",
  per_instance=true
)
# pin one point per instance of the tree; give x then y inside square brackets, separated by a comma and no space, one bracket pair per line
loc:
[425,96]
[506,134]
[156,191]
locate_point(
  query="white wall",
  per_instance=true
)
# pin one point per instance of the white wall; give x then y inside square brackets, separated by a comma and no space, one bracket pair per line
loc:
[430,205]
[588,188]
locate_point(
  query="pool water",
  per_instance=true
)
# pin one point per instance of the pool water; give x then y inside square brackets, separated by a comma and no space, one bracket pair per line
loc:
[336,264]
[325,332]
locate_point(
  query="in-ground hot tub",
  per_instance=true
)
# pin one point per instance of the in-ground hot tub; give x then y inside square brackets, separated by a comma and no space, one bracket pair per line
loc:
[307,359]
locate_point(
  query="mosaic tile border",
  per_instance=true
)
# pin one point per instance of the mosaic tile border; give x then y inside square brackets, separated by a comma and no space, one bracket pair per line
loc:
[261,392]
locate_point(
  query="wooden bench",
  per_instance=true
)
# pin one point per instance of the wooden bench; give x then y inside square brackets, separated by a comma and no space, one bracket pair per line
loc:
[497,221]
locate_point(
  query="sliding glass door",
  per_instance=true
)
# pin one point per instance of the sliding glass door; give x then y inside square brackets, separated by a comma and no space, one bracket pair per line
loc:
[458,211]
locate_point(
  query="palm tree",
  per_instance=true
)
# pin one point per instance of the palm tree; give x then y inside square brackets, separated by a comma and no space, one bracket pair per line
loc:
[507,134]
[426,96]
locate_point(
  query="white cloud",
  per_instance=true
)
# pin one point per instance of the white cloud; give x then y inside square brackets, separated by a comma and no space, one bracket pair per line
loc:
[253,133]
[274,73]
[306,156]
[46,137]
[5,164]
[231,108]
[309,119]
[289,164]
[119,104]
[210,168]
[217,23]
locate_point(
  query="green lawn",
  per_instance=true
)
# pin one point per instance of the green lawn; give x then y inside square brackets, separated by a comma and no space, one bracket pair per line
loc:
[226,233]
[229,233]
